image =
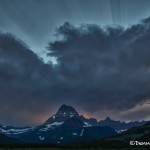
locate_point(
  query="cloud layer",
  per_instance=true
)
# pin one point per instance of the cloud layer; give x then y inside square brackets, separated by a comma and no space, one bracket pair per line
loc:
[23,81]
[104,68]
[98,69]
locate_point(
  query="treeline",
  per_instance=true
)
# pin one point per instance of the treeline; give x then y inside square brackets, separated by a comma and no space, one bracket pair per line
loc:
[30,146]
[105,144]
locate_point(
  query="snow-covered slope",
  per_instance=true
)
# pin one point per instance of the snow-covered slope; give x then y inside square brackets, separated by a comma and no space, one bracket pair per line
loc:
[15,132]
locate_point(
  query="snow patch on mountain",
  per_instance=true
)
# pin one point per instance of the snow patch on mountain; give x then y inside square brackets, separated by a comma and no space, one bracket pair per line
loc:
[120,131]
[81,134]
[41,138]
[87,124]
[14,131]
[51,126]
[74,134]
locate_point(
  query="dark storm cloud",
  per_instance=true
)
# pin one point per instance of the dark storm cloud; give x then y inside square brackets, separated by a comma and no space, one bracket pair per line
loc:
[24,81]
[98,69]
[104,68]
[139,112]
[137,115]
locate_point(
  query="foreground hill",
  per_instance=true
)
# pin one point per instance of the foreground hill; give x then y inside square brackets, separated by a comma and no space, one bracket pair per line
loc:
[8,140]
[122,140]
[141,133]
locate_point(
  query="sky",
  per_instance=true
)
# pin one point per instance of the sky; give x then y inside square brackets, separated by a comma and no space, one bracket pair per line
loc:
[91,54]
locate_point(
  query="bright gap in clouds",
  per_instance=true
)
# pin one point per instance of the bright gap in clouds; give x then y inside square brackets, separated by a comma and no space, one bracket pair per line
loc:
[47,59]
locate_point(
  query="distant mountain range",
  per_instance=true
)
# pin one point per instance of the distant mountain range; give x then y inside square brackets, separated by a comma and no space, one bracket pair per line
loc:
[120,126]
[67,126]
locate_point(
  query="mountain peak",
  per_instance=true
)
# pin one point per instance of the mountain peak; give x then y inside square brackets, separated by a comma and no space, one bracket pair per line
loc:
[63,106]
[64,112]
[67,110]
[108,118]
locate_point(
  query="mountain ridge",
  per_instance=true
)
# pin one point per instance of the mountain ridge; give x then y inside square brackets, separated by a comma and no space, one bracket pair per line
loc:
[68,126]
